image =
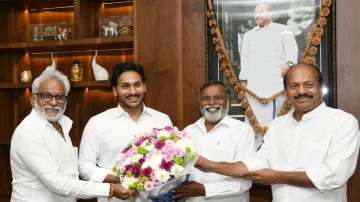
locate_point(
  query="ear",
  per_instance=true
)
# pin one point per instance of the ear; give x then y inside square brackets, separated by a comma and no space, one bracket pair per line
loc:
[145,87]
[114,91]
[32,100]
[286,93]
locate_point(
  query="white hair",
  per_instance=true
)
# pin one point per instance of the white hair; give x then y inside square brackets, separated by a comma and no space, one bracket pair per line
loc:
[51,74]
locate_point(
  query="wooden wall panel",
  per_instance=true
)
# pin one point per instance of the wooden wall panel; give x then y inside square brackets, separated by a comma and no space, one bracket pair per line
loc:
[193,49]
[157,47]
[348,71]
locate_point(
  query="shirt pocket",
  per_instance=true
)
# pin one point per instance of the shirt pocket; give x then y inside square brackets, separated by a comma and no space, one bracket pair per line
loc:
[223,153]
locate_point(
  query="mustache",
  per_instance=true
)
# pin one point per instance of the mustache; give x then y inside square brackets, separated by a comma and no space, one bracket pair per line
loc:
[305,95]
[212,106]
[51,107]
[133,96]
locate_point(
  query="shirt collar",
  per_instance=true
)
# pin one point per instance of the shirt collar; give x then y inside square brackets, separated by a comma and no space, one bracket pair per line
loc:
[201,123]
[120,111]
[271,25]
[312,113]
[64,121]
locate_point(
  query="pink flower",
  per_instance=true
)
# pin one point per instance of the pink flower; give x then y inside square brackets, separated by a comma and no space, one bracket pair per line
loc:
[168,128]
[182,134]
[149,186]
[178,152]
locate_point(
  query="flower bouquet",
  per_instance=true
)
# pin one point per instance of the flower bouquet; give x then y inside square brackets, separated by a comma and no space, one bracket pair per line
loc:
[155,162]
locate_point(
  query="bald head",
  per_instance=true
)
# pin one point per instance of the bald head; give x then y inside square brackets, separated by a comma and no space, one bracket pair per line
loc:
[315,70]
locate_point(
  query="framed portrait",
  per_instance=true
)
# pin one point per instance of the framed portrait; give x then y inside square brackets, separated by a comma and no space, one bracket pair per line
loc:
[261,37]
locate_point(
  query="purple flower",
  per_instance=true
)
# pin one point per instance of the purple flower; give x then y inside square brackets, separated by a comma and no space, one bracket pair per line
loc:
[125,150]
[159,144]
[141,140]
[135,170]
[166,165]
[141,161]
[147,172]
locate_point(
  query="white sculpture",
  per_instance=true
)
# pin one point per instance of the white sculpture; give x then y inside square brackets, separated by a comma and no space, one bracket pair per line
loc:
[53,65]
[100,73]
[26,76]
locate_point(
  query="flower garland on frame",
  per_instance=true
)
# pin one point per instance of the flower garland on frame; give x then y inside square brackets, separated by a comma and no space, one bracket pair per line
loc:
[308,57]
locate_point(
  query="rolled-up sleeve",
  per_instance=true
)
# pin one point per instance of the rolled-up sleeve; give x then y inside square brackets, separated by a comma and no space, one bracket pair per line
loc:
[89,153]
[32,150]
[341,159]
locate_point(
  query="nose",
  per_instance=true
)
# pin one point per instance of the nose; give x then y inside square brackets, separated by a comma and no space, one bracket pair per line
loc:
[53,101]
[132,90]
[301,89]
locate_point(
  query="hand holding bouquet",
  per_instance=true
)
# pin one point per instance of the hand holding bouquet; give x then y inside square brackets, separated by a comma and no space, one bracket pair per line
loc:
[156,162]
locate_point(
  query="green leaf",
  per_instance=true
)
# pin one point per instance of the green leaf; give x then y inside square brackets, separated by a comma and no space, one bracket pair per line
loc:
[188,150]
[114,169]
[191,157]
[148,143]
[142,150]
[135,163]
[129,145]
[144,179]
[140,187]
[129,173]
[162,138]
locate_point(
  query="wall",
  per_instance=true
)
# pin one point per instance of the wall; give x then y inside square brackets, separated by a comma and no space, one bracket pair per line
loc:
[348,71]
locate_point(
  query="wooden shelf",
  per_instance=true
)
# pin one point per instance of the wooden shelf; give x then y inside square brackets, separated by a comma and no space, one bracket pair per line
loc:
[120,42]
[73,84]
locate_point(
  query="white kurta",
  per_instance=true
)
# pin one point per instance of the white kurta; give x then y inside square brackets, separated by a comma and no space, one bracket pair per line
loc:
[44,167]
[324,144]
[229,141]
[264,52]
[106,135]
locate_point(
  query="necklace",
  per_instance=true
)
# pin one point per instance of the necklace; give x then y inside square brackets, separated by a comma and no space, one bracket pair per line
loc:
[59,129]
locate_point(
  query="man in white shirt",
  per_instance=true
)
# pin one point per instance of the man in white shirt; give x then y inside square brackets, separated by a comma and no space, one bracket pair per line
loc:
[267,52]
[108,133]
[308,154]
[218,137]
[43,159]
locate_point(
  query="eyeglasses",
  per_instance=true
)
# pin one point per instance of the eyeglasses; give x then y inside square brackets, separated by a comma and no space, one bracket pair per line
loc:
[47,97]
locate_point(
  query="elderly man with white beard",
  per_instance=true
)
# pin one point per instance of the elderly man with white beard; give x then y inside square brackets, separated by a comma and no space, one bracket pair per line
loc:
[43,160]
[220,138]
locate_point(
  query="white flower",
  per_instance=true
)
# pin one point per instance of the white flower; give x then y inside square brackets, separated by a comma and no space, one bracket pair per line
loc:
[136,158]
[153,162]
[162,175]
[150,147]
[163,133]
[186,142]
[127,181]
[176,170]
[126,162]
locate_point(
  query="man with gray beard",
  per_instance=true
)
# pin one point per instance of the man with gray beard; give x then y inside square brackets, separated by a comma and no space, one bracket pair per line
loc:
[43,160]
[220,138]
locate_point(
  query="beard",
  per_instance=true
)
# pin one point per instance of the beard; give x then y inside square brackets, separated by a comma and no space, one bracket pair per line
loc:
[50,118]
[217,116]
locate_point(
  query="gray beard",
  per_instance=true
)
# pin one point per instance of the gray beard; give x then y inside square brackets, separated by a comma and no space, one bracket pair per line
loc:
[215,117]
[54,118]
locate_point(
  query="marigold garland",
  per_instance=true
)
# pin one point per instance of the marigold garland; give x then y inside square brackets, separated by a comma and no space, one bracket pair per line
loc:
[308,57]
